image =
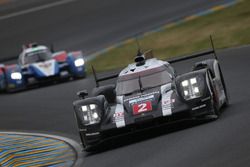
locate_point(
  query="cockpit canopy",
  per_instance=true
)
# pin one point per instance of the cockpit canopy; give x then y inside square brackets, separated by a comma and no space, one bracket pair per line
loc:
[136,82]
[34,55]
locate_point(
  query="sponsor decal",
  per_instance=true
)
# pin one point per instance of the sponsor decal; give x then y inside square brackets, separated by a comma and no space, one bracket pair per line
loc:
[142,103]
[140,98]
[166,103]
[119,113]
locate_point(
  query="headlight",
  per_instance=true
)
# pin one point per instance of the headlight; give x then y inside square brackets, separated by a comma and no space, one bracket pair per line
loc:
[16,76]
[79,62]
[90,114]
[191,89]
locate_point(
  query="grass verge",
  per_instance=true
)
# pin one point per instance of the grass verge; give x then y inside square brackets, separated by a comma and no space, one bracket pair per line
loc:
[229,27]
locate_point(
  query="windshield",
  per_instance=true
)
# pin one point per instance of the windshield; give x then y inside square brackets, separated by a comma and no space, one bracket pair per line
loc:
[141,82]
[129,86]
[36,56]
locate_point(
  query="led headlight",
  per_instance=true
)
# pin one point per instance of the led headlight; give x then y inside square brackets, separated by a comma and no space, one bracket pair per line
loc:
[191,89]
[90,114]
[79,62]
[16,76]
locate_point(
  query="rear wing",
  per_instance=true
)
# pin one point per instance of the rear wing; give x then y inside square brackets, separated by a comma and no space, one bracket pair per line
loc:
[149,54]
[100,79]
[208,52]
[204,53]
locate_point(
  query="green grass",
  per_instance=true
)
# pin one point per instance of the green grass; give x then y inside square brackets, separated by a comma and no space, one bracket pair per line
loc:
[229,27]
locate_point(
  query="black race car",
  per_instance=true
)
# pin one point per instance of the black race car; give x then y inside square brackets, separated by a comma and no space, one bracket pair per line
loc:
[149,92]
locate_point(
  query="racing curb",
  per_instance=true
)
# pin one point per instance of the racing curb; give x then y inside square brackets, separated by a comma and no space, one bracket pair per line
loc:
[166,26]
[73,144]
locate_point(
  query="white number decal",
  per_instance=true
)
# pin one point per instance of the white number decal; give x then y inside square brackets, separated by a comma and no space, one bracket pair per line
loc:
[142,107]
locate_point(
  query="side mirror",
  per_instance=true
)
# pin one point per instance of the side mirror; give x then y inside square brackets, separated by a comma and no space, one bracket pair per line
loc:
[82,94]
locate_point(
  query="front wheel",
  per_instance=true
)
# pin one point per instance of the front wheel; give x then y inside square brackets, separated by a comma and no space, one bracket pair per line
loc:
[214,98]
[224,88]
[93,147]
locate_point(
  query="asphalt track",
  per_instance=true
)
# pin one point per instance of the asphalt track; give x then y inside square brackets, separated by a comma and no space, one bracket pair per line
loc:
[88,24]
[224,142]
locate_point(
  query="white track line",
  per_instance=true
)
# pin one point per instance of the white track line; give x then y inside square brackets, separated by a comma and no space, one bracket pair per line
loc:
[35,9]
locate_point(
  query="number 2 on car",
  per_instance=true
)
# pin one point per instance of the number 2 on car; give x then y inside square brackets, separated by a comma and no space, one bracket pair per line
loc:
[142,107]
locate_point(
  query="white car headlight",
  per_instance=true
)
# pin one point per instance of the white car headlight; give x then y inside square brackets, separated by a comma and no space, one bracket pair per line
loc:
[16,76]
[90,114]
[95,115]
[79,62]
[191,89]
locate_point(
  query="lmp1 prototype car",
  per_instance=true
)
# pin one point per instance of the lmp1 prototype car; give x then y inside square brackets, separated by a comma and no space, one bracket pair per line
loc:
[37,64]
[148,93]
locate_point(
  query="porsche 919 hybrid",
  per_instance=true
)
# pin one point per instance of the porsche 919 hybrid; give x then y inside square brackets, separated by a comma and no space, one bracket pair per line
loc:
[148,92]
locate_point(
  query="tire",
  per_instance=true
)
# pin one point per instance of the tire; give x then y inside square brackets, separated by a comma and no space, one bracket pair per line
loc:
[92,148]
[224,88]
[214,100]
